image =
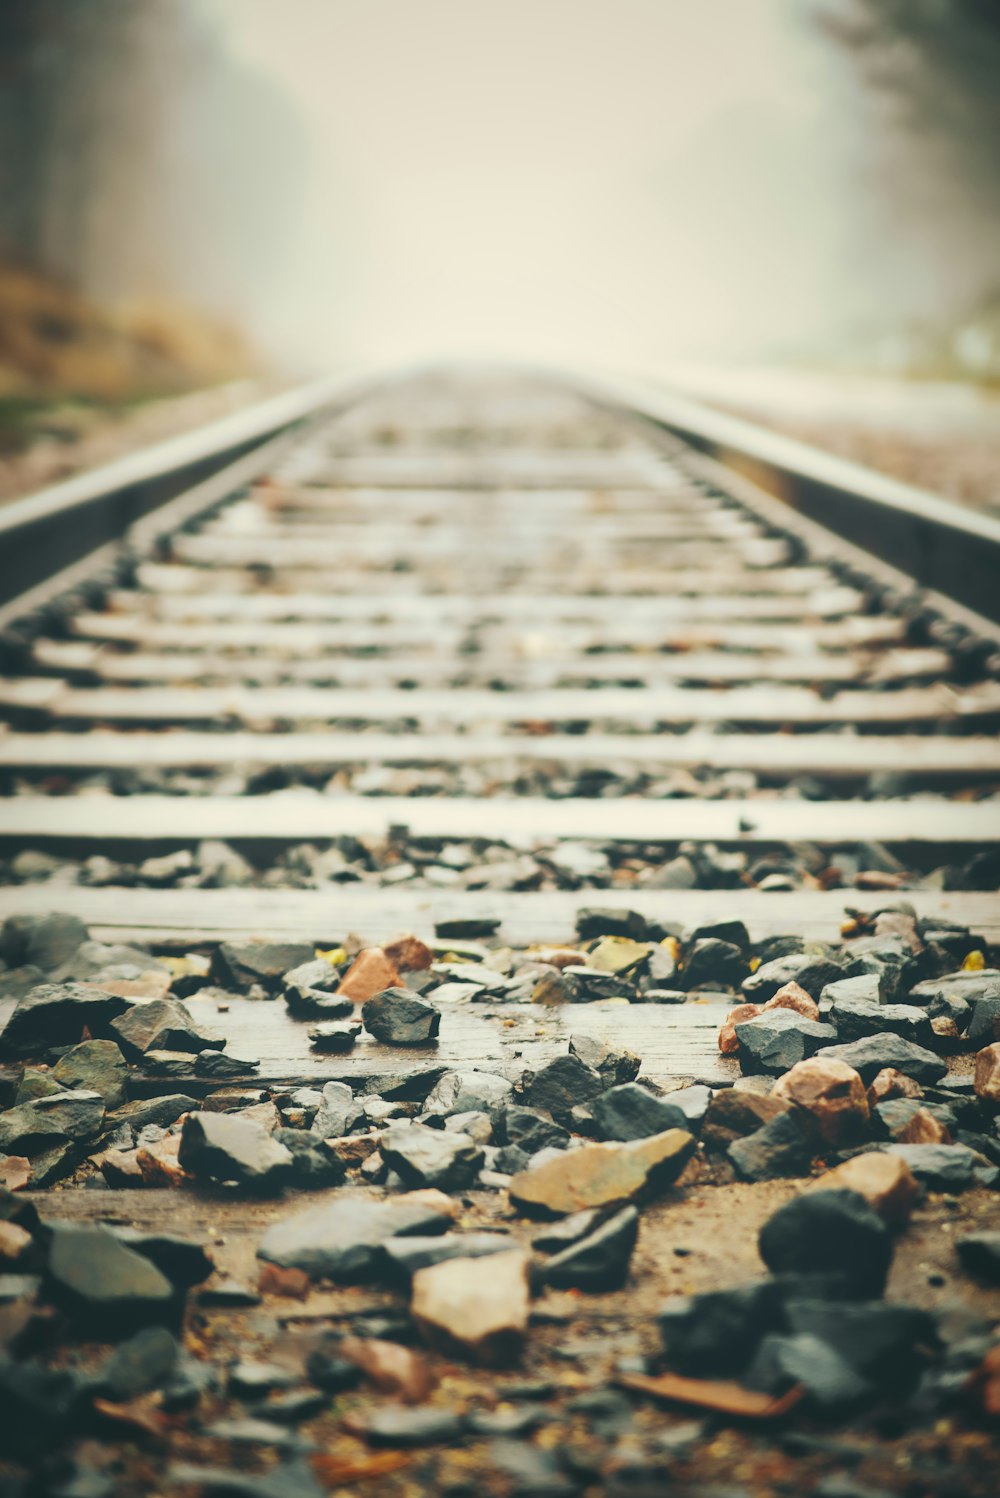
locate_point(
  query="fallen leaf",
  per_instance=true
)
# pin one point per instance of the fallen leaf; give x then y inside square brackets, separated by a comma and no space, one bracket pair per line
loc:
[335,1469]
[714,1394]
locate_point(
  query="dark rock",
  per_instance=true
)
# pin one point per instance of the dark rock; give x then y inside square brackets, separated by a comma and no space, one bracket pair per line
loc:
[41,1407]
[249,1379]
[712,963]
[146,1361]
[829,1231]
[777,1040]
[421,1156]
[599,1261]
[224,1147]
[335,1037]
[183,1260]
[396,1017]
[693,1102]
[223,1064]
[596,921]
[613,1065]
[177,1065]
[291,1408]
[312,1003]
[94,1066]
[857,1018]
[946,1167]
[733,932]
[979,1253]
[312,1166]
[885,1343]
[876,1052]
[561,1084]
[320,975]
[984,1027]
[15,982]
[108,1288]
[240,964]
[468,928]
[290,1479]
[865,986]
[28,1129]
[35,1084]
[631,1112]
[529,1130]
[970,986]
[568,1230]
[343,1239]
[405,1256]
[714,1335]
[892,1117]
[809,971]
[43,941]
[330,1372]
[228,1294]
[588,985]
[783,1147]
[161,1025]
[57,1014]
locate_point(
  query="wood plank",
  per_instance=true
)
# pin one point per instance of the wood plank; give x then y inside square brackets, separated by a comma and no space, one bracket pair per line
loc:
[284,636]
[299,816]
[775,705]
[845,756]
[439,670]
[329,914]
[682,583]
[825,603]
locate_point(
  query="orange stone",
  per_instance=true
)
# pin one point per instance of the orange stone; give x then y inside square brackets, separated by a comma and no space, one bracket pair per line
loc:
[885,1181]
[370,973]
[792,996]
[988,1072]
[293,1284]
[393,1369]
[728,1044]
[924,1128]
[409,953]
[890,1083]
[832,1092]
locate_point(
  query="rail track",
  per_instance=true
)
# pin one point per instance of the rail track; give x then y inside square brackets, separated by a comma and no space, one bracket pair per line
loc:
[464,655]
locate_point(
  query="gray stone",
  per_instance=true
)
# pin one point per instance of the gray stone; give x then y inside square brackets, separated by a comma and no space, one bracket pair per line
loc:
[613,1065]
[224,1147]
[43,941]
[811,972]
[405,1426]
[146,1361]
[421,1156]
[970,986]
[161,1111]
[222,1064]
[873,1053]
[713,963]
[183,1260]
[312,1165]
[599,1261]
[856,1018]
[330,1120]
[530,1130]
[240,964]
[947,1167]
[396,1017]
[979,1253]
[830,1382]
[561,1084]
[405,1256]
[108,1287]
[867,986]
[776,1041]
[94,1066]
[56,1014]
[343,1239]
[631,1112]
[334,1037]
[161,1025]
[26,1130]
[469,1092]
[984,1027]
[784,1147]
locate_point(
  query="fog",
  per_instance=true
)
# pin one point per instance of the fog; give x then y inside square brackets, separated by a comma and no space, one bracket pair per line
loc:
[621,181]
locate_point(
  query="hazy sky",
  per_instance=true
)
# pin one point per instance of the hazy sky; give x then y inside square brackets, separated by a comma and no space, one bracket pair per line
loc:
[621,181]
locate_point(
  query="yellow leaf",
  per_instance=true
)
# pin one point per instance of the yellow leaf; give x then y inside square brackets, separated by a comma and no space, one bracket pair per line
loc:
[974,963]
[336,956]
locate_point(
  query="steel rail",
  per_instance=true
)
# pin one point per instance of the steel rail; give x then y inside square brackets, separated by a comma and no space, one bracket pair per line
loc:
[939,545]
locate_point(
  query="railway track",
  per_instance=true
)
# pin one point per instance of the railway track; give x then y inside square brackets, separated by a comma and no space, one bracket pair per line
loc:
[468,657]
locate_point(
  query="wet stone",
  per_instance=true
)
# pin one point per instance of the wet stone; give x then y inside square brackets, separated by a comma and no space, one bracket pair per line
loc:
[598,1261]
[94,1066]
[396,1017]
[57,1014]
[873,1053]
[161,1025]
[335,1037]
[599,1175]
[829,1231]
[631,1112]
[421,1156]
[343,1239]
[774,1042]
[225,1148]
[477,1308]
